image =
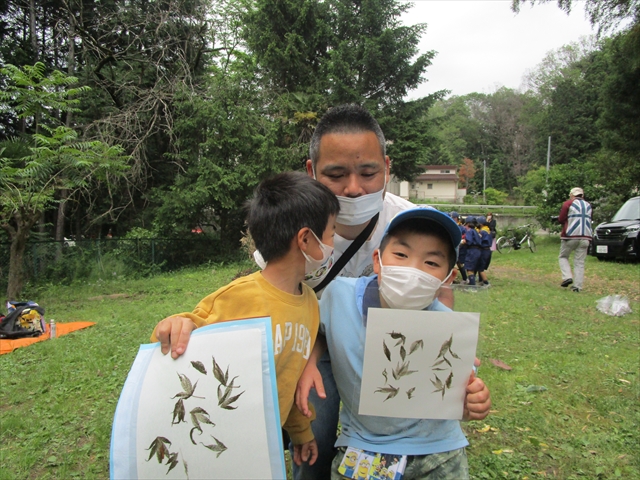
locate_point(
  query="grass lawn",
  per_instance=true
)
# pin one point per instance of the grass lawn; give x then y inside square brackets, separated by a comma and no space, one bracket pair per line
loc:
[568,408]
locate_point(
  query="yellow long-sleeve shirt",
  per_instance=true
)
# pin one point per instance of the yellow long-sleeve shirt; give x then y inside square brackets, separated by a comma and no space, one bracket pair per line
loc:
[294,321]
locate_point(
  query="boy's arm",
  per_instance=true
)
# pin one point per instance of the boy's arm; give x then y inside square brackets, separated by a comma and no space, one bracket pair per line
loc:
[174,332]
[311,377]
[298,426]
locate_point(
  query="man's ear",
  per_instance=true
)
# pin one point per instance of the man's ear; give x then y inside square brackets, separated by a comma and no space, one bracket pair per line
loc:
[309,168]
[376,261]
[387,167]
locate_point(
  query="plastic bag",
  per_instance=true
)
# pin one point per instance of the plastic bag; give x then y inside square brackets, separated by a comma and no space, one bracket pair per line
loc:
[616,305]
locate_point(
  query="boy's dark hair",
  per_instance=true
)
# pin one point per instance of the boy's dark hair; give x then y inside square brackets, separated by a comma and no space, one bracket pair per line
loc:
[344,119]
[284,204]
[423,226]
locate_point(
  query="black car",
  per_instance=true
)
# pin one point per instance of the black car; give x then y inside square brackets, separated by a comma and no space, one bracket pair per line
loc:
[619,238]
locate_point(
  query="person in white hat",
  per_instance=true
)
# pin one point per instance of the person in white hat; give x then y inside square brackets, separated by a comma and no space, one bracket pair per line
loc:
[575,217]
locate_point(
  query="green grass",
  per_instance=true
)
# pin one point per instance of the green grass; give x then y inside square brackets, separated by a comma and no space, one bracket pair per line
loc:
[57,398]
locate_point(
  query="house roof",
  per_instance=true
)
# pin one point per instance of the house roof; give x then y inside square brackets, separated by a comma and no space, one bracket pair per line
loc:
[440,167]
[438,176]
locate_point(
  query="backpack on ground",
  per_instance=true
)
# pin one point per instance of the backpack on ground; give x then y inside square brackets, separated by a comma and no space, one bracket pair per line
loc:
[24,319]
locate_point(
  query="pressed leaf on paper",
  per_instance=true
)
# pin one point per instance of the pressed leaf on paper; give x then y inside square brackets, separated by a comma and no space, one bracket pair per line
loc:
[391,390]
[199,366]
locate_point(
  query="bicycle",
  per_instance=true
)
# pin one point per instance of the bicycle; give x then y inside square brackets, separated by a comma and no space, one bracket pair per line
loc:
[507,243]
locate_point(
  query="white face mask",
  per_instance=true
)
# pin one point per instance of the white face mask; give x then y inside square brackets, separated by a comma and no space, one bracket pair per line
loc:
[356,211]
[407,288]
[317,269]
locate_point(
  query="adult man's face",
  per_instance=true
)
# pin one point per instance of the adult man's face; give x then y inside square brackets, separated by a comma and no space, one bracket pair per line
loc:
[351,164]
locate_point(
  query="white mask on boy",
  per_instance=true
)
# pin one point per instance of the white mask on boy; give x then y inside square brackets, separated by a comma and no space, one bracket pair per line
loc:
[407,288]
[317,269]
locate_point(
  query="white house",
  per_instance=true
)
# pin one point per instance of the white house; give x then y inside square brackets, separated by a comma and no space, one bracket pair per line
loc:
[437,182]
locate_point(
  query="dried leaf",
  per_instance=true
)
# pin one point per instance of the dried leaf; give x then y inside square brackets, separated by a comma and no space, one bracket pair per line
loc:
[227,403]
[439,362]
[396,335]
[200,415]
[500,364]
[172,461]
[159,448]
[186,468]
[415,345]
[199,366]
[217,372]
[403,353]
[453,354]
[448,381]
[391,390]
[218,447]
[226,376]
[437,383]
[187,387]
[178,413]
[386,351]
[384,374]
[223,397]
[197,427]
[445,346]
[410,392]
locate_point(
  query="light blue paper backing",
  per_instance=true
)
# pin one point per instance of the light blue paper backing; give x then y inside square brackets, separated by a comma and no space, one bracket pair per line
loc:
[123,463]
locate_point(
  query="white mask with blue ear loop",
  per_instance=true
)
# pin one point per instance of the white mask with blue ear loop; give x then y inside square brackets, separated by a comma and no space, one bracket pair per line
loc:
[312,265]
[407,288]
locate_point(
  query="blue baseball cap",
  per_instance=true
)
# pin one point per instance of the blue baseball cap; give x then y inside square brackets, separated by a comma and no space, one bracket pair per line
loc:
[453,214]
[428,213]
[481,220]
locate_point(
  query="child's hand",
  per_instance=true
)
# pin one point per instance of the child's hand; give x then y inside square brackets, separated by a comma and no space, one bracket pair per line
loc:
[305,452]
[174,333]
[477,403]
[309,379]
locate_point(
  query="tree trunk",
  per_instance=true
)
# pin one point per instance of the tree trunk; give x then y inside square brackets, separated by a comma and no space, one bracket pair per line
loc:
[59,237]
[18,236]
[32,29]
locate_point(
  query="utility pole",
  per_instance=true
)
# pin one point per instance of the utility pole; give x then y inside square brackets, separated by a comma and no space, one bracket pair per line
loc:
[484,181]
[548,161]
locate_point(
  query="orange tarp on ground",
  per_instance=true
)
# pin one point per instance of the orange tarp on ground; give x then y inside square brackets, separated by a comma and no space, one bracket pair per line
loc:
[7,346]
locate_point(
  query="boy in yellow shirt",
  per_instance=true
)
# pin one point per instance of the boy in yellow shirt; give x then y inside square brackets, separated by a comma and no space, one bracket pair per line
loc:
[291,218]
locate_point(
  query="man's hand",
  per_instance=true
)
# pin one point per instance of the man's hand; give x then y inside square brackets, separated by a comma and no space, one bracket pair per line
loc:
[305,452]
[174,333]
[309,379]
[477,402]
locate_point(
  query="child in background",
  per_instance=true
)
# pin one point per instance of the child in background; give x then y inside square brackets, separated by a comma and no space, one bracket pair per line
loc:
[416,257]
[472,239]
[462,251]
[291,219]
[485,249]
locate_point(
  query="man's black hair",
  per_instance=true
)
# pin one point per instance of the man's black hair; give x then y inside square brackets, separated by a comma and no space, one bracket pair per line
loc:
[344,119]
[284,204]
[423,226]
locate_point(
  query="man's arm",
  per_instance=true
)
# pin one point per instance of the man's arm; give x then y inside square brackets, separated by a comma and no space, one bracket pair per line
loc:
[564,213]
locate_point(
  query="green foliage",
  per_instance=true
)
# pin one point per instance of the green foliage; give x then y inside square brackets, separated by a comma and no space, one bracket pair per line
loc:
[495,197]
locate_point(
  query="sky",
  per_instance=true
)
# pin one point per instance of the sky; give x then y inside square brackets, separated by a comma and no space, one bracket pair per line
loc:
[482,45]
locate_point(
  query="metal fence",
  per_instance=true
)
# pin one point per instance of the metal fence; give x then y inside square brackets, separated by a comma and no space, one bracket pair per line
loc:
[53,260]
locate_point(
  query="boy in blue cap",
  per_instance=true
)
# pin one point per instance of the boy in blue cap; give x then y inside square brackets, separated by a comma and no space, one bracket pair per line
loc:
[416,257]
[473,242]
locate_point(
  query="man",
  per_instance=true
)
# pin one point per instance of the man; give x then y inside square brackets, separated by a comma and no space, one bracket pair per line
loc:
[575,217]
[348,155]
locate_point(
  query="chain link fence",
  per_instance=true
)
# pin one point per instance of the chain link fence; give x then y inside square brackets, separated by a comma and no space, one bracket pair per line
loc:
[69,260]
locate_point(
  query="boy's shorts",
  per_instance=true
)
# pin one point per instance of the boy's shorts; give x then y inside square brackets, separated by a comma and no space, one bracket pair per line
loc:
[437,466]
[462,254]
[473,259]
[485,259]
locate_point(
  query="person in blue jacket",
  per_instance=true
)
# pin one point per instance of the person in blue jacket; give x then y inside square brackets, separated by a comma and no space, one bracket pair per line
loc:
[472,239]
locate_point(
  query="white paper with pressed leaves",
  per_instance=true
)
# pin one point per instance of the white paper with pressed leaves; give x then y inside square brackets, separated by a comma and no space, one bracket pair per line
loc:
[212,413]
[417,363]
